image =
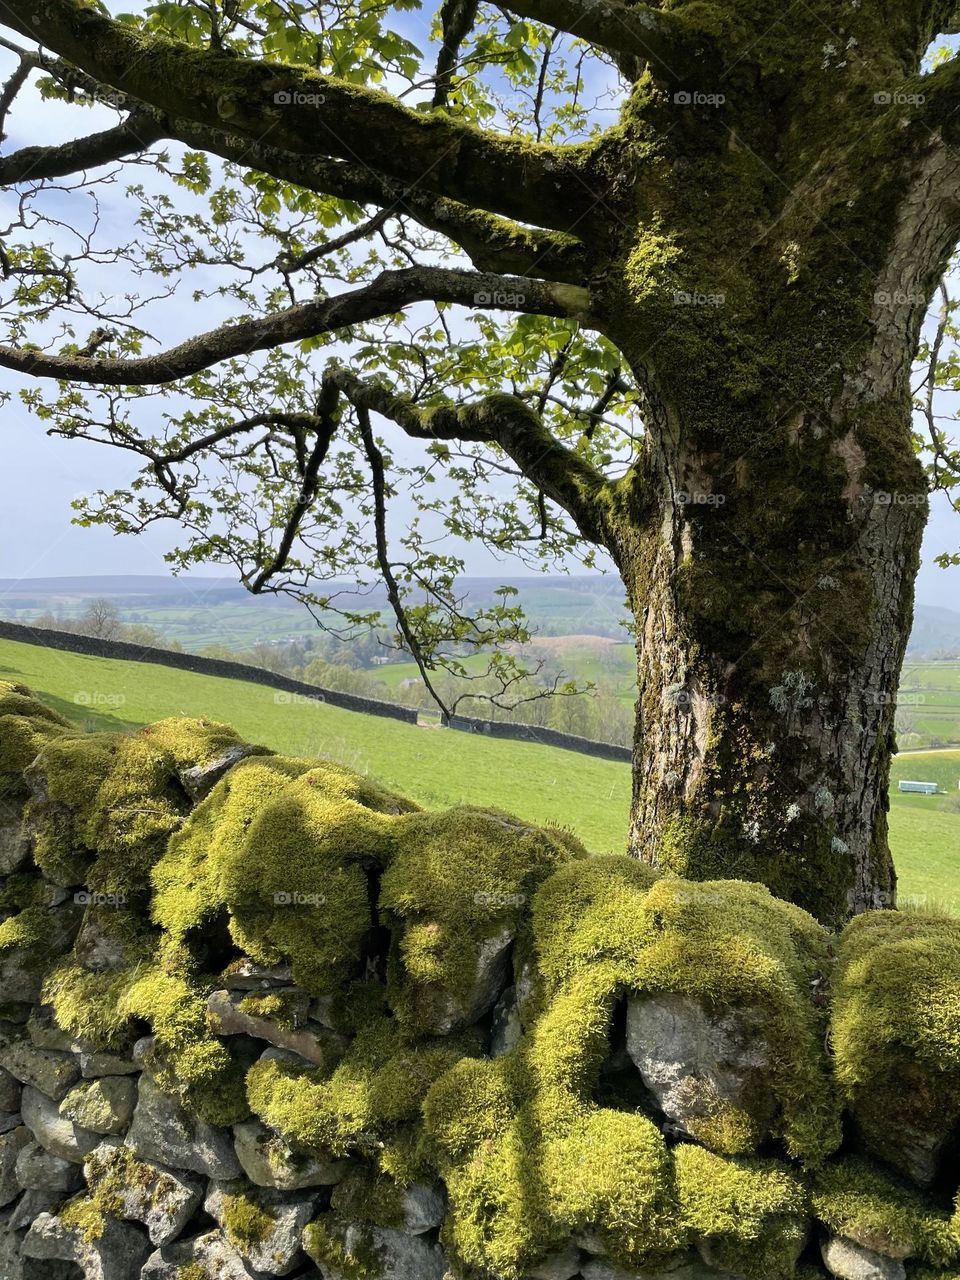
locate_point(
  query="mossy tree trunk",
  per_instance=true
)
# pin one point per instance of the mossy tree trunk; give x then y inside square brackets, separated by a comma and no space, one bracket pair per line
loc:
[759,237]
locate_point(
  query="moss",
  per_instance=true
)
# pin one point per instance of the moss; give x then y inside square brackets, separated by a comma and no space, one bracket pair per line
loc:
[367,1196]
[275,1007]
[457,879]
[193,1271]
[859,1200]
[26,726]
[84,1216]
[91,1005]
[324,1242]
[365,1105]
[753,1215]
[246,1221]
[894,1029]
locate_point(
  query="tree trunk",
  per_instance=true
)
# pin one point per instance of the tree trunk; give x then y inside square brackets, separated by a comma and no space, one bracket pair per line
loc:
[773,595]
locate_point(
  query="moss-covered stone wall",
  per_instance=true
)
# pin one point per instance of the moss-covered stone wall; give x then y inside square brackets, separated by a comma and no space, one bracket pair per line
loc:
[262,1017]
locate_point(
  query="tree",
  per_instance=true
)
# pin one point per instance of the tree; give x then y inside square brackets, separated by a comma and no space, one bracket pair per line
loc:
[693,326]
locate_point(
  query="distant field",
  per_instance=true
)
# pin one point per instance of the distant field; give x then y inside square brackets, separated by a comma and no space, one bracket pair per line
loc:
[438,768]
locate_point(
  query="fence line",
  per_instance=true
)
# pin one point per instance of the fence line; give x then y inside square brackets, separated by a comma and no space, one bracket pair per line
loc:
[97,647]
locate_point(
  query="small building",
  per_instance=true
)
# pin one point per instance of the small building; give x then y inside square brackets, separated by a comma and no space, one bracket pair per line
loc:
[920,788]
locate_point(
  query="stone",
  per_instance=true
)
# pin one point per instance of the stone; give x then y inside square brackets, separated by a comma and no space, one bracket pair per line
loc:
[278,1251]
[850,1261]
[247,975]
[94,1064]
[14,846]
[317,1044]
[400,1257]
[30,1205]
[200,779]
[42,1117]
[102,1106]
[10,1120]
[423,1208]
[696,1061]
[164,1132]
[442,1012]
[44,1032]
[563,1265]
[41,1170]
[505,1028]
[684,1267]
[212,1255]
[118,1254]
[163,1200]
[22,970]
[899,1141]
[9,1091]
[51,1072]
[269,1162]
[98,947]
[11,1144]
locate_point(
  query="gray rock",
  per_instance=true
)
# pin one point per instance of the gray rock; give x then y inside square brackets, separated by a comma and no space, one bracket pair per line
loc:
[14,847]
[9,1091]
[200,779]
[317,1044]
[30,1205]
[913,1150]
[849,1261]
[423,1208]
[164,1132]
[118,1254]
[279,1250]
[42,1117]
[212,1252]
[269,1162]
[400,1257]
[102,1106]
[442,1012]
[11,1144]
[684,1267]
[562,1265]
[506,1030]
[44,1032]
[22,969]
[98,947]
[10,1120]
[163,1200]
[247,975]
[696,1061]
[41,1170]
[94,1064]
[45,1069]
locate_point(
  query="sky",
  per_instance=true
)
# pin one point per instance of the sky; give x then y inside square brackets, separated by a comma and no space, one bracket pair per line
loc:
[39,476]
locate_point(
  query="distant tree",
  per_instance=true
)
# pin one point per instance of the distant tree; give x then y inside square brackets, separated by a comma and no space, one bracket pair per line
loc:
[692,247]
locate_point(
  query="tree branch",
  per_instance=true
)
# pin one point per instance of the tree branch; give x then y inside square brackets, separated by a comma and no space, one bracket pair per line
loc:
[139,131]
[671,47]
[503,420]
[308,114]
[389,293]
[456,18]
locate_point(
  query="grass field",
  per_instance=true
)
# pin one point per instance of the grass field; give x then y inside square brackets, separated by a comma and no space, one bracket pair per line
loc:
[437,767]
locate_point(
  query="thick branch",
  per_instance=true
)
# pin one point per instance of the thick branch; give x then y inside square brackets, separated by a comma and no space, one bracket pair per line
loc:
[389,293]
[309,114]
[30,164]
[457,18]
[503,420]
[669,45]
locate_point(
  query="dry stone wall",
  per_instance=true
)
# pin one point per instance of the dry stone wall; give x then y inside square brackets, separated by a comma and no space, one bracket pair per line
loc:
[259,1017]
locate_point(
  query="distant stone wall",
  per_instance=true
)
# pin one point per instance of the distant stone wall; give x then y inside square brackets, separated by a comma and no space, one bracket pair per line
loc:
[546,737]
[261,1019]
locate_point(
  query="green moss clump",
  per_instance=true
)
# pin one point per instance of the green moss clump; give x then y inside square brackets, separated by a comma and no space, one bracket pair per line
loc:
[193,1271]
[323,1241]
[894,1027]
[456,880]
[367,1196]
[367,1105]
[246,1221]
[91,1006]
[859,1200]
[273,1007]
[84,1215]
[26,726]
[753,1215]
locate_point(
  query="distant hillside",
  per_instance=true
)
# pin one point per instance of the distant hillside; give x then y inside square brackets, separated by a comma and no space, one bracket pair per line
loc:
[205,611]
